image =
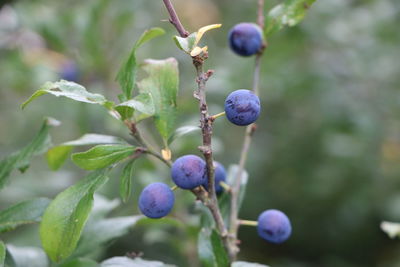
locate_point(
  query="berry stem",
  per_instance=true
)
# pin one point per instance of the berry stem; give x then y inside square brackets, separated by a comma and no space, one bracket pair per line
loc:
[225,186]
[174,187]
[234,221]
[218,115]
[248,222]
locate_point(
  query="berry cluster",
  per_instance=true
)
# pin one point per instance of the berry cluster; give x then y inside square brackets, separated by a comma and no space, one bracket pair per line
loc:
[242,107]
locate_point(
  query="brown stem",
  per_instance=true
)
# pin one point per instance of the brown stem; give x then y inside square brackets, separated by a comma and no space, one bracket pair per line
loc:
[234,212]
[209,199]
[174,19]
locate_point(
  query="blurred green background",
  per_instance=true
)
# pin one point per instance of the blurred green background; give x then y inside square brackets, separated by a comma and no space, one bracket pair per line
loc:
[327,148]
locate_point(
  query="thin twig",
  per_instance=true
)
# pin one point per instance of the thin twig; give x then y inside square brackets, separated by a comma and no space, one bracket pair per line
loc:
[234,222]
[174,19]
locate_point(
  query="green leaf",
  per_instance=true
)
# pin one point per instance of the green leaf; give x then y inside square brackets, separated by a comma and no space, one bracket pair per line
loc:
[110,229]
[2,253]
[142,106]
[247,264]
[219,250]
[182,131]
[20,160]
[127,73]
[102,156]
[80,262]
[57,155]
[211,249]
[148,35]
[26,256]
[186,44]
[391,229]
[26,212]
[225,200]
[70,90]
[128,262]
[65,217]
[95,139]
[162,83]
[289,13]
[125,185]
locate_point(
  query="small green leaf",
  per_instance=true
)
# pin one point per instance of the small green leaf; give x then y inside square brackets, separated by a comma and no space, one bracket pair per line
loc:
[211,250]
[102,156]
[26,256]
[391,229]
[57,155]
[186,44]
[65,217]
[225,200]
[127,73]
[247,264]
[110,229]
[148,35]
[289,13]
[162,83]
[20,160]
[125,185]
[219,250]
[80,262]
[142,106]
[25,212]
[182,131]
[2,253]
[70,90]
[128,262]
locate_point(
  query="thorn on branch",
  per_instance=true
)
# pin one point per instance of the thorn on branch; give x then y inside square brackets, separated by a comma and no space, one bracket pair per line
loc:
[209,73]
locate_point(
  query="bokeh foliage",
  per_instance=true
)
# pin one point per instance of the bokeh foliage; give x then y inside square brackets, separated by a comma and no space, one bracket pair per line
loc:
[327,148]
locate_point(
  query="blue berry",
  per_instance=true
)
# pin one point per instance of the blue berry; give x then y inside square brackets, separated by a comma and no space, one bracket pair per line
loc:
[242,107]
[245,39]
[189,171]
[274,226]
[156,200]
[220,176]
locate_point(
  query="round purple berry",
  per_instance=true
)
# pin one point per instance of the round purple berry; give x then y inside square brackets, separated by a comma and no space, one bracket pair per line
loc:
[274,226]
[156,200]
[189,172]
[245,39]
[220,176]
[242,107]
